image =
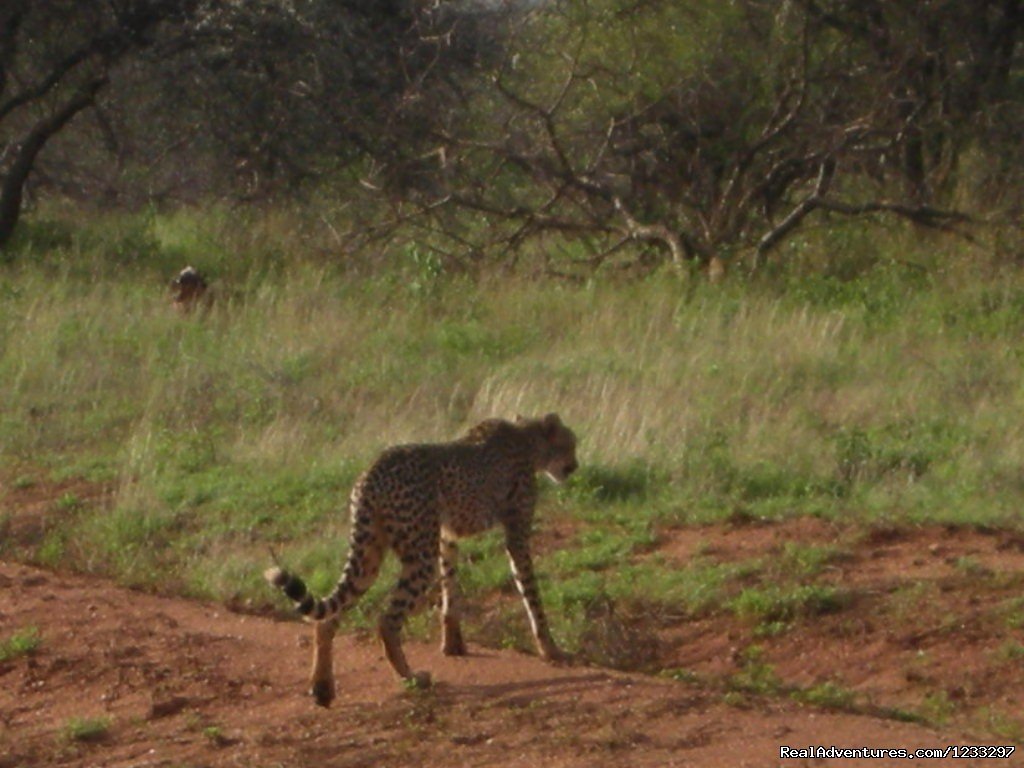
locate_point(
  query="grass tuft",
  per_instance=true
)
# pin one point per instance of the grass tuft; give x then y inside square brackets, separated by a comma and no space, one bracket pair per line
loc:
[87,729]
[783,603]
[21,643]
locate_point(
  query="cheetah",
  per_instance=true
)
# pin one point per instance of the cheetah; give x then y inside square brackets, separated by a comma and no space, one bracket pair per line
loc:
[189,290]
[418,500]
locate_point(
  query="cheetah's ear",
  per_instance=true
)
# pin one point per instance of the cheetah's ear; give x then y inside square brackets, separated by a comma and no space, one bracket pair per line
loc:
[520,419]
[552,423]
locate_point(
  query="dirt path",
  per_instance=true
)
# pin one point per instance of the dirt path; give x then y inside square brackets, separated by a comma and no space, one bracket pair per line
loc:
[189,684]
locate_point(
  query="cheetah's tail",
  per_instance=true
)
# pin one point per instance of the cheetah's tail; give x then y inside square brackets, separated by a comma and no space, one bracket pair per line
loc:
[295,588]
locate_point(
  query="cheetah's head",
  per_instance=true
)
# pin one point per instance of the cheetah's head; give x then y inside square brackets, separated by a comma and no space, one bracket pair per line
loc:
[556,446]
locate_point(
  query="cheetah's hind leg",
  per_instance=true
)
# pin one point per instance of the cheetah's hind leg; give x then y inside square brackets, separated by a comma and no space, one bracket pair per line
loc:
[360,572]
[419,569]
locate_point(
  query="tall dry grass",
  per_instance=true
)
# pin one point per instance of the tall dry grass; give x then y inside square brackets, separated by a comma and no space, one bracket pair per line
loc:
[882,395]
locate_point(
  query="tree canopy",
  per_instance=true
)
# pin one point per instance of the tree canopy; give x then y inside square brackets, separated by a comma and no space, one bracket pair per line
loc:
[707,130]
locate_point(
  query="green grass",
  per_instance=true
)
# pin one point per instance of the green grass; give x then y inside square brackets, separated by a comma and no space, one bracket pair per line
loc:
[87,729]
[755,676]
[828,695]
[937,708]
[872,394]
[1012,612]
[215,735]
[1002,725]
[781,602]
[1011,651]
[883,397]
[801,561]
[22,643]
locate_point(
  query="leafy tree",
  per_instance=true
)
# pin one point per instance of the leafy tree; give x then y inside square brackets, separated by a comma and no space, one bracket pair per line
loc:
[712,129]
[56,56]
[253,93]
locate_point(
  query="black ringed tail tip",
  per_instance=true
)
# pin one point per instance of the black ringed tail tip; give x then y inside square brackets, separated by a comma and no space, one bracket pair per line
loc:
[276,577]
[295,588]
[292,586]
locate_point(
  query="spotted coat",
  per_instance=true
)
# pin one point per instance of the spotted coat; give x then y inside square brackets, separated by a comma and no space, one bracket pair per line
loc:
[418,500]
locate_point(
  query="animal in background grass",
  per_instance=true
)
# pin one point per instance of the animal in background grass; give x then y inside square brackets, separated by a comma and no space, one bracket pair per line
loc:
[418,500]
[190,290]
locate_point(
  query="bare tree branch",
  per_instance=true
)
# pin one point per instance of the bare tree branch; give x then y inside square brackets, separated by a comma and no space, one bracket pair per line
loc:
[797,215]
[44,86]
[924,215]
[657,232]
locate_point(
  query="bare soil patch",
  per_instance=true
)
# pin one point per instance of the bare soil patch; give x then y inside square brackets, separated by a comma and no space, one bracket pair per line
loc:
[184,683]
[933,620]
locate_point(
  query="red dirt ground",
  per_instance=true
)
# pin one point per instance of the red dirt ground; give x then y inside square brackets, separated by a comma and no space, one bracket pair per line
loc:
[189,684]
[931,612]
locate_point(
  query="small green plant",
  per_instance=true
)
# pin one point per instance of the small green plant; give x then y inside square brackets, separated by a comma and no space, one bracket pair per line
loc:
[416,685]
[755,675]
[803,561]
[680,675]
[51,548]
[772,628]
[69,502]
[735,699]
[23,482]
[1001,724]
[780,603]
[970,566]
[828,695]
[904,603]
[1012,611]
[89,729]
[853,455]
[1011,651]
[215,735]
[596,549]
[899,714]
[22,643]
[937,707]
[901,449]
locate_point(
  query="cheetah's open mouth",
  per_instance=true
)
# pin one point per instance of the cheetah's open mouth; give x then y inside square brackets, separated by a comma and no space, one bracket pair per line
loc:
[561,474]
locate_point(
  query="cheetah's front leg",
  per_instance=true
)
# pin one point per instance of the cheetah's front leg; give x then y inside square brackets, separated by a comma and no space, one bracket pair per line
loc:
[518,549]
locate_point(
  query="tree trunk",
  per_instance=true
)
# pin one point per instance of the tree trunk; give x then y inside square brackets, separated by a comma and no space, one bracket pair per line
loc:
[13,184]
